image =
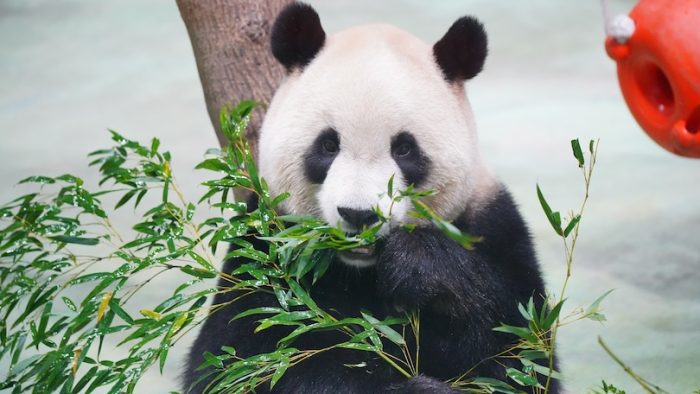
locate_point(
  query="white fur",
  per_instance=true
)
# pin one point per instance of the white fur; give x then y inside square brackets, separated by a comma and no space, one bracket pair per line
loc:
[369,83]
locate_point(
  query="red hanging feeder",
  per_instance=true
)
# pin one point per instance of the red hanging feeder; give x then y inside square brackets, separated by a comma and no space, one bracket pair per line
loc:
[658,65]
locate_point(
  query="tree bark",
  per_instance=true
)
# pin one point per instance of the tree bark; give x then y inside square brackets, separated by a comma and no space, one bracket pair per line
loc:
[230,40]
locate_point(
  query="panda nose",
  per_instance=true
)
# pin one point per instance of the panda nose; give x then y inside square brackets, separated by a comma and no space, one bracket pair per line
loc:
[358,217]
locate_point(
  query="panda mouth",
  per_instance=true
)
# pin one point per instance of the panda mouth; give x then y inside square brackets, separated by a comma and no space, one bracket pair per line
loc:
[360,253]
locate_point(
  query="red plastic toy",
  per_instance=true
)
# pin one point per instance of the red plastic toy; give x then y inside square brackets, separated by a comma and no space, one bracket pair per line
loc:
[659,71]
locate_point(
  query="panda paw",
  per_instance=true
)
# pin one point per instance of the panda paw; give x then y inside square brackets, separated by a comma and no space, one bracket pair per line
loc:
[416,267]
[422,384]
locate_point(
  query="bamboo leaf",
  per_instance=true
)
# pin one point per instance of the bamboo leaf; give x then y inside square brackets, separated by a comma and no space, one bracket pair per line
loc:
[69,304]
[389,332]
[572,224]
[198,272]
[578,154]
[495,386]
[119,311]
[522,378]
[212,360]
[592,312]
[150,314]
[106,297]
[126,198]
[280,369]
[553,217]
[553,315]
[38,179]
[75,240]
[257,311]
[359,346]
[522,332]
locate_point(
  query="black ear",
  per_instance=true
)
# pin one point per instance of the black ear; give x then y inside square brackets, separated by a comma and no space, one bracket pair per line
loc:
[297,35]
[461,52]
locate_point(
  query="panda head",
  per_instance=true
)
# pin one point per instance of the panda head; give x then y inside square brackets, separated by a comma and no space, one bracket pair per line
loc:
[366,104]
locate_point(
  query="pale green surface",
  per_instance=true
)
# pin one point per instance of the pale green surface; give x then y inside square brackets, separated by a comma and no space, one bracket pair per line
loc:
[69,70]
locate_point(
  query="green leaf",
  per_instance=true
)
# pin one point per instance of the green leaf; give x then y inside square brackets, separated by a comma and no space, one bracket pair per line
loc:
[139,197]
[572,224]
[304,296]
[495,386]
[466,240]
[199,272]
[524,312]
[229,350]
[389,332]
[151,314]
[201,260]
[89,278]
[541,369]
[248,253]
[553,217]
[280,369]
[359,346]
[320,268]
[522,332]
[125,198]
[578,154]
[70,179]
[521,378]
[533,355]
[155,144]
[212,360]
[75,240]
[592,312]
[279,199]
[553,315]
[69,304]
[285,318]
[38,179]
[257,311]
[119,311]
[213,165]
[24,364]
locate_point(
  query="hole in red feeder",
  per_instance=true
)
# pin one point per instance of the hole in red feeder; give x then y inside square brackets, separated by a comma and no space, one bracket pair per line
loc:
[693,122]
[656,87]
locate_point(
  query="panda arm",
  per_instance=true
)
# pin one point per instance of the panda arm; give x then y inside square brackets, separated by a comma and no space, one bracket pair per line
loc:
[424,268]
[463,294]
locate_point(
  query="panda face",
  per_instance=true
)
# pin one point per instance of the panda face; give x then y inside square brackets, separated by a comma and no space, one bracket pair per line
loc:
[372,104]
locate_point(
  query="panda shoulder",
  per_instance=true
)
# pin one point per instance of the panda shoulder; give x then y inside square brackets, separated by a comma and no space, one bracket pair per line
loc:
[496,219]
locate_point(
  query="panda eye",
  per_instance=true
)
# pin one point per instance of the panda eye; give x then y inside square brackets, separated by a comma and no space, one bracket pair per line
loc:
[330,146]
[403,150]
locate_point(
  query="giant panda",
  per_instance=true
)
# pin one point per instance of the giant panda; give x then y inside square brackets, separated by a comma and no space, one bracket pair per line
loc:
[355,109]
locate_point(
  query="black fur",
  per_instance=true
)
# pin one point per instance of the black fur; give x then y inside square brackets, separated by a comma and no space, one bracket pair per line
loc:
[461,52]
[462,295]
[320,156]
[414,164]
[297,35]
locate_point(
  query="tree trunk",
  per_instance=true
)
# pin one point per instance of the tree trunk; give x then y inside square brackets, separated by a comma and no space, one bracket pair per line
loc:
[230,39]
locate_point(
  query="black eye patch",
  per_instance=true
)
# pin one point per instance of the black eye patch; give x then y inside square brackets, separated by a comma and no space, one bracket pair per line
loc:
[414,164]
[320,155]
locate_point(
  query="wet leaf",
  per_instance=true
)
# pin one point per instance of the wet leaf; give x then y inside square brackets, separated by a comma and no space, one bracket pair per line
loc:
[75,240]
[521,378]
[103,305]
[389,332]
